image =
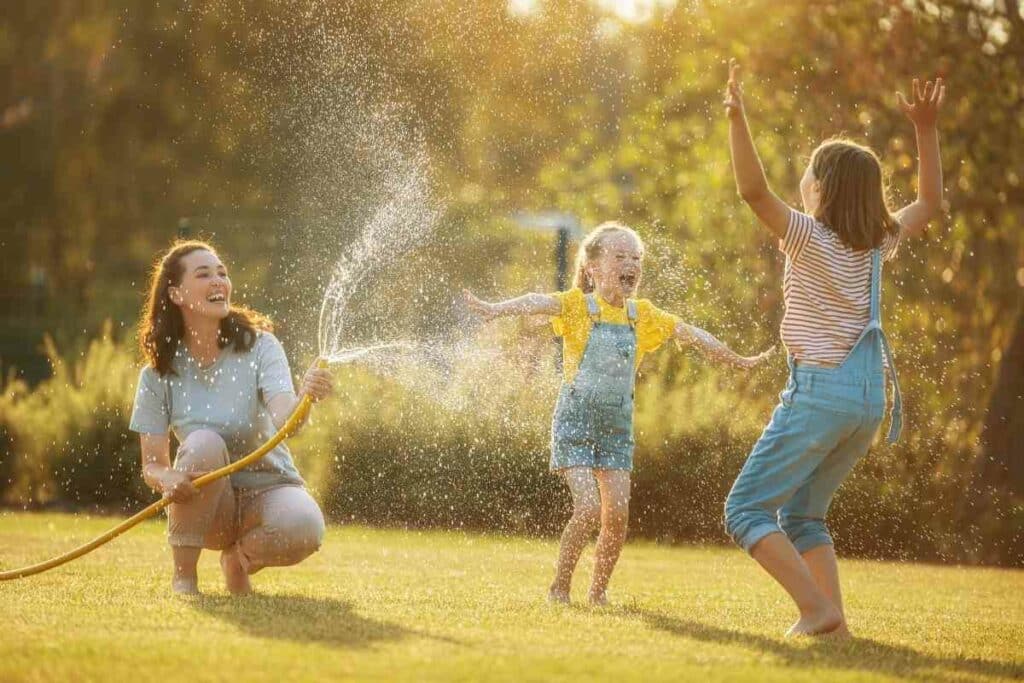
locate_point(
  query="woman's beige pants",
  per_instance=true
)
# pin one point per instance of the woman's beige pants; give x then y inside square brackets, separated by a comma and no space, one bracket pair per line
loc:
[272,527]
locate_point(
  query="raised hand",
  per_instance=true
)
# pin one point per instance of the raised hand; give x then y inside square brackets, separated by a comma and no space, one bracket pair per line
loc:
[481,308]
[733,91]
[924,110]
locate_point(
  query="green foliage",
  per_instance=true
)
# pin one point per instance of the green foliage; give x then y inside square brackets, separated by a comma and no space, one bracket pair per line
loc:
[70,435]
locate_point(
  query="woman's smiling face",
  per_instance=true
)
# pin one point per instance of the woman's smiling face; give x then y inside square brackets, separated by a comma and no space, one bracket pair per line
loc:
[617,270]
[205,287]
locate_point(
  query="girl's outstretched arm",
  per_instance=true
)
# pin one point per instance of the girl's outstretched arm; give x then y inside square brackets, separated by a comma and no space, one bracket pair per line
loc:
[924,114]
[528,304]
[746,165]
[714,350]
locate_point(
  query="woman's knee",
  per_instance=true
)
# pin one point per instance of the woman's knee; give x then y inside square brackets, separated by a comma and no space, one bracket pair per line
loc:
[202,449]
[301,532]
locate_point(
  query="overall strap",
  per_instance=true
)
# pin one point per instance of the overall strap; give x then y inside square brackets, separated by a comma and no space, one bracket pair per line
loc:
[631,312]
[896,415]
[876,286]
[593,310]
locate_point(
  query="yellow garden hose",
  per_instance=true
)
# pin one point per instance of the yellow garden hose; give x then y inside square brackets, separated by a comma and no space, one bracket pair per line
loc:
[297,416]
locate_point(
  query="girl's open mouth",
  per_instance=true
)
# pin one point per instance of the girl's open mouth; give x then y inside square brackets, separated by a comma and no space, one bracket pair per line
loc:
[628,280]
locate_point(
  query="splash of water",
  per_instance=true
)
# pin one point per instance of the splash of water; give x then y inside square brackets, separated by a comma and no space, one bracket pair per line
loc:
[351,355]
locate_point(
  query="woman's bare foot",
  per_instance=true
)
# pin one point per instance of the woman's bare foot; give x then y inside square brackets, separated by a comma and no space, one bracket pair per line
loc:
[185,585]
[236,578]
[824,622]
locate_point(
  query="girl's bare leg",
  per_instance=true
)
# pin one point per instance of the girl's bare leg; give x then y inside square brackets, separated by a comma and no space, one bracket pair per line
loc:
[779,558]
[821,561]
[586,511]
[614,486]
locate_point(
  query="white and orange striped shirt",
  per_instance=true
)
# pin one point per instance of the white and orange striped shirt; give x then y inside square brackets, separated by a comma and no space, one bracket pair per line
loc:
[827,290]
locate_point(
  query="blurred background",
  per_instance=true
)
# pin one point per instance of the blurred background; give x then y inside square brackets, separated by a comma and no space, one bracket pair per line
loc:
[279,129]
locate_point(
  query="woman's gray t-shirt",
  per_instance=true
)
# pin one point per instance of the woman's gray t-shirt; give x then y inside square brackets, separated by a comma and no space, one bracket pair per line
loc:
[229,397]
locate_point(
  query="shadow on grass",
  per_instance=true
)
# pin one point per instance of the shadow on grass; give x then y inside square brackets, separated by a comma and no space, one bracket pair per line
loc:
[304,619]
[855,653]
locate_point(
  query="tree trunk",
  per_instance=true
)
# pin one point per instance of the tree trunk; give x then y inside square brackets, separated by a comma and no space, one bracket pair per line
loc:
[1001,465]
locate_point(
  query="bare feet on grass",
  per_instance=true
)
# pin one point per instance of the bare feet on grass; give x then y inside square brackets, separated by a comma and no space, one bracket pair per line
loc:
[825,621]
[597,599]
[236,578]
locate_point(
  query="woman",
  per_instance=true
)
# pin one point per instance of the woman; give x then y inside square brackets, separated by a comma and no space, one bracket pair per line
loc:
[219,379]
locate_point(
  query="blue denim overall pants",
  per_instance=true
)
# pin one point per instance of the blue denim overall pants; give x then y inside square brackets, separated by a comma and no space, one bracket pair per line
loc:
[825,422]
[593,421]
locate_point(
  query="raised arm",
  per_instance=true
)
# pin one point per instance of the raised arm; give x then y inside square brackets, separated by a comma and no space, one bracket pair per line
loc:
[528,304]
[924,114]
[714,350]
[746,165]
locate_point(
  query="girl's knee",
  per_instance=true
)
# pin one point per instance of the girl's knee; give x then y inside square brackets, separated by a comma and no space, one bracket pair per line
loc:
[616,517]
[746,525]
[587,512]
[806,533]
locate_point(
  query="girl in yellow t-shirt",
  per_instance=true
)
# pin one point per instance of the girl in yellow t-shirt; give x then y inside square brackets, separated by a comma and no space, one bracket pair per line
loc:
[605,334]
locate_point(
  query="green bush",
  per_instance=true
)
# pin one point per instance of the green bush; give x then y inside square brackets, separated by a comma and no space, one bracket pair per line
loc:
[12,389]
[70,434]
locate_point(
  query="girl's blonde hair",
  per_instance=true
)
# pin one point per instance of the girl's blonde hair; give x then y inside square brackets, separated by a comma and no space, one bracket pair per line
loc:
[853,199]
[590,248]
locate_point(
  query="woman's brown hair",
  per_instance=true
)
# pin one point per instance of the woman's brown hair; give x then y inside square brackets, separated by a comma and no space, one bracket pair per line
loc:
[162,326]
[590,248]
[853,202]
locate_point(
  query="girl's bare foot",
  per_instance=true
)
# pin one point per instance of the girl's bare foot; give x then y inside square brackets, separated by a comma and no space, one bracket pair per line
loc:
[236,578]
[185,585]
[597,599]
[842,632]
[557,596]
[824,622]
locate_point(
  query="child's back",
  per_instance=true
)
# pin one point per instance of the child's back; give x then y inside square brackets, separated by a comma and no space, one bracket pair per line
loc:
[826,288]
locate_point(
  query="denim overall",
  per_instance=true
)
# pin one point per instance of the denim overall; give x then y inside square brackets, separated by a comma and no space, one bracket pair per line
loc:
[593,422]
[825,422]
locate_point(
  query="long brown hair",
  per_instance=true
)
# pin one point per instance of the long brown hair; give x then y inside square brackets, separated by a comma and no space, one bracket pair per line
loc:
[590,248]
[162,327]
[853,199]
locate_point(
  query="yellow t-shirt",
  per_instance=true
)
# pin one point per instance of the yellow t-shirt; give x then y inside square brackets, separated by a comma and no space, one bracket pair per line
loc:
[653,326]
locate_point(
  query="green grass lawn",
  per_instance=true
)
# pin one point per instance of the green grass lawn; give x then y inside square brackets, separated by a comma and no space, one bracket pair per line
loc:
[385,604]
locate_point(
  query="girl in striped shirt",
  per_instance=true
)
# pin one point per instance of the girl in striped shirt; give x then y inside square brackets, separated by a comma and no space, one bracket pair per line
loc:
[834,401]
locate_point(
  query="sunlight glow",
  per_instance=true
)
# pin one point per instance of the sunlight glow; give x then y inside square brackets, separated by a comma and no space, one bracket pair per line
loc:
[633,11]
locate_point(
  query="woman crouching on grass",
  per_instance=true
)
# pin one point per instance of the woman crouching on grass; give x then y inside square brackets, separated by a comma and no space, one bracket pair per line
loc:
[605,334]
[218,379]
